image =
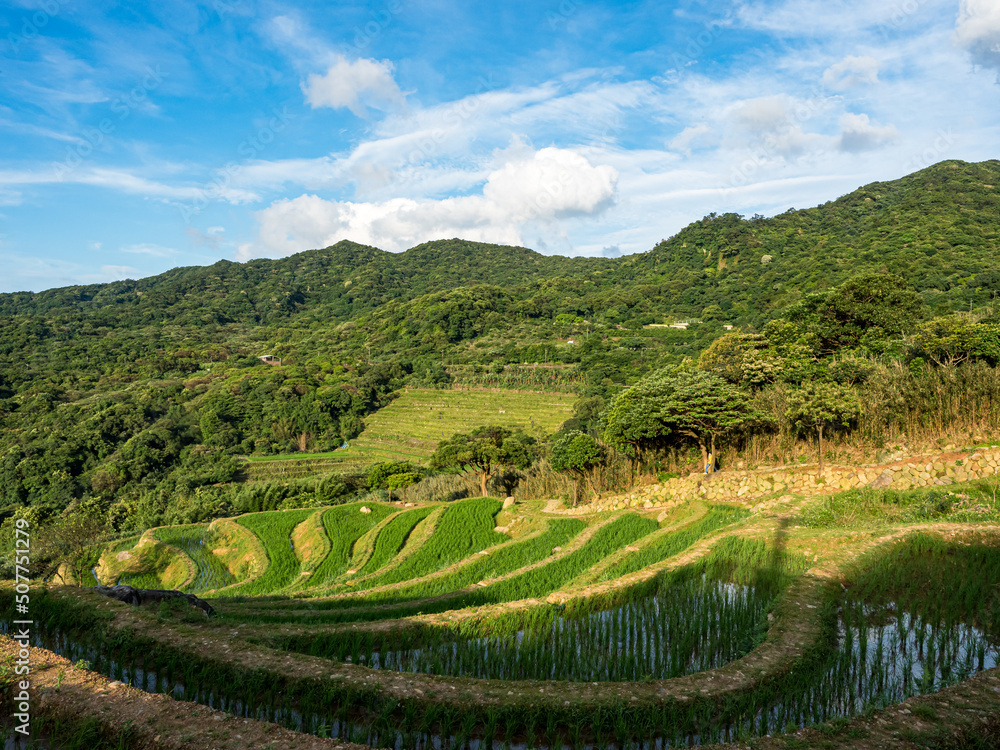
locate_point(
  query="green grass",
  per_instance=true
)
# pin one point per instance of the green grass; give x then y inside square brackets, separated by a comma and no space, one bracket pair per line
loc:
[211,573]
[866,507]
[274,529]
[465,528]
[410,427]
[392,538]
[343,526]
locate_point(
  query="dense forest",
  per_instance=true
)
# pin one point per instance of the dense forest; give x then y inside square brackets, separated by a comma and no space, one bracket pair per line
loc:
[126,405]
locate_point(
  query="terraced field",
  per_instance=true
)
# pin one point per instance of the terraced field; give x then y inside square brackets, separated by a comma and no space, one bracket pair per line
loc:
[770,621]
[410,427]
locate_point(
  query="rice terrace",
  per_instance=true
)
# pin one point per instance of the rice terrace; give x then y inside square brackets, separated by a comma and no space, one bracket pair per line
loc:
[699,496]
[657,618]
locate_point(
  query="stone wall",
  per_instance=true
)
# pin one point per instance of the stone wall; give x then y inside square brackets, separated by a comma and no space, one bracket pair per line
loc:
[739,485]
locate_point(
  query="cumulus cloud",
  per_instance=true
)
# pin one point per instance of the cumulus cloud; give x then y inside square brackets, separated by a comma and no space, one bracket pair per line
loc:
[355,86]
[554,183]
[850,72]
[531,189]
[858,133]
[978,31]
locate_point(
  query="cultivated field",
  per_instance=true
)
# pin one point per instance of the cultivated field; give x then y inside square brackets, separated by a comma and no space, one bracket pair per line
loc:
[776,620]
[411,426]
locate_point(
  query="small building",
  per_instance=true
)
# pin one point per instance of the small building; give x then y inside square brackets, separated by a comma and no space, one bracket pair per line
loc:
[270,359]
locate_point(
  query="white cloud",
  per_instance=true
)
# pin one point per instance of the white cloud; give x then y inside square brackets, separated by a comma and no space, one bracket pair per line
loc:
[978,31]
[773,125]
[149,248]
[536,189]
[850,72]
[826,18]
[355,86]
[690,137]
[858,133]
[555,183]
[72,172]
[763,114]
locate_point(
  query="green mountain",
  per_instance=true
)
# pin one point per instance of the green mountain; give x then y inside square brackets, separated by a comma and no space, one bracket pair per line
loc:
[132,399]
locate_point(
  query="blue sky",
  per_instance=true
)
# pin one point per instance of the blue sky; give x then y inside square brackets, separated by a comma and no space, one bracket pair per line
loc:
[142,136]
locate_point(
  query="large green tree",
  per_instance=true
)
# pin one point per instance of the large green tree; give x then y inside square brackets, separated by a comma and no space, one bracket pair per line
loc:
[578,454]
[952,340]
[485,451]
[816,406]
[866,307]
[670,405]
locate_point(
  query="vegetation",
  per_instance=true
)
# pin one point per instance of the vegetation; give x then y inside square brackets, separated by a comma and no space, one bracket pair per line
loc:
[576,453]
[817,405]
[486,451]
[274,530]
[343,526]
[142,438]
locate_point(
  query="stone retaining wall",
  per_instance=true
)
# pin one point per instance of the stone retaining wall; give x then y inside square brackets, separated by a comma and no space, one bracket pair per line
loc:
[738,485]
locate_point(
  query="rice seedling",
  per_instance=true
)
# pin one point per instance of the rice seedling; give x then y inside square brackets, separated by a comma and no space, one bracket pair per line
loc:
[671,544]
[343,525]
[393,537]
[464,529]
[274,529]
[211,572]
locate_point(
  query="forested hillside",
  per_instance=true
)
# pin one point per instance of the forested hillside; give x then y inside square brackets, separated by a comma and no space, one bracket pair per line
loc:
[129,403]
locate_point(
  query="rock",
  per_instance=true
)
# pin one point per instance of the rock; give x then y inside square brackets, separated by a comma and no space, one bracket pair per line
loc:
[365,509]
[882,480]
[508,503]
[662,517]
[136,597]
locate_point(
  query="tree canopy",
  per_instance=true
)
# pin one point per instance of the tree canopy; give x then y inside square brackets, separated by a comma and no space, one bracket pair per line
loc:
[576,453]
[818,405]
[672,405]
[484,452]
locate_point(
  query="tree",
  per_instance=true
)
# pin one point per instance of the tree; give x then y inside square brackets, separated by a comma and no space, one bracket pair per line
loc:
[865,306]
[402,481]
[485,451]
[952,340]
[818,405]
[742,359]
[692,404]
[576,453]
[392,475]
